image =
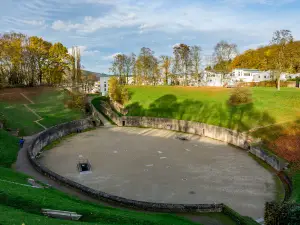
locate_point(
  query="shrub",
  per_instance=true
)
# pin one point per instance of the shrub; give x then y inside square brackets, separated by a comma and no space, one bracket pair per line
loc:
[240,95]
[76,100]
[285,213]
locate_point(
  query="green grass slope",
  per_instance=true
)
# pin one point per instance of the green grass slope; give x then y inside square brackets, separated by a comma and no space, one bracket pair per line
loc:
[209,105]
[49,105]
[8,149]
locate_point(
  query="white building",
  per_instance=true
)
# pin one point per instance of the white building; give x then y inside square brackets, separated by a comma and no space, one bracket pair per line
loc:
[244,75]
[212,79]
[103,84]
[262,76]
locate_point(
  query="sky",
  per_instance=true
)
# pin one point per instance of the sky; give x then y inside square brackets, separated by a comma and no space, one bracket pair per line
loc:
[103,28]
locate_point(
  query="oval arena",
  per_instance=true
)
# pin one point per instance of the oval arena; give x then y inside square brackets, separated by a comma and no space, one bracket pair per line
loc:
[164,166]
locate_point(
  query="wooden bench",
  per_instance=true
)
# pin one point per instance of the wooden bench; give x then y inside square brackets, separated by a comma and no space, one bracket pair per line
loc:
[61,214]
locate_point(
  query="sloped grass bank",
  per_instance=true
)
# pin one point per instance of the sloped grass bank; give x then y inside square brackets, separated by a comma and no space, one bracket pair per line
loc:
[8,148]
[209,105]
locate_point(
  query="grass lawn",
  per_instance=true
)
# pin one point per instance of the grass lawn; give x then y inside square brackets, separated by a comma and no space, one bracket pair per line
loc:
[8,149]
[13,216]
[31,200]
[19,117]
[209,105]
[48,104]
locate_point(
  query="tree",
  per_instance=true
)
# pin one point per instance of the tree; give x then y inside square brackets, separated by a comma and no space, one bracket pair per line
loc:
[31,61]
[281,38]
[208,68]
[59,63]
[166,63]
[147,66]
[224,52]
[182,59]
[129,62]
[119,67]
[137,71]
[39,50]
[196,62]
[117,92]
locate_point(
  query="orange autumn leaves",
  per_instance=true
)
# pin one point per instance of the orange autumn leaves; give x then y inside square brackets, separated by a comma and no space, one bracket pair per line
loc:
[287,144]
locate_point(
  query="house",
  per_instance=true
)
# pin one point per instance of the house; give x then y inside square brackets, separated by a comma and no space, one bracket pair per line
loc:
[212,79]
[262,76]
[244,75]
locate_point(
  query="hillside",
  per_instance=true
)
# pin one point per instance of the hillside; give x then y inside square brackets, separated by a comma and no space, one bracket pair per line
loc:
[263,58]
[98,75]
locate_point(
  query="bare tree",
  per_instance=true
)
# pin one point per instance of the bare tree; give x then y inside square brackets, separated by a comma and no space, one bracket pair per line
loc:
[224,52]
[196,62]
[182,59]
[281,38]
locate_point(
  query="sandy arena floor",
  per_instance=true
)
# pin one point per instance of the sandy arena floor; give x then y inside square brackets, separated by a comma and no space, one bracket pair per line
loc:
[152,165]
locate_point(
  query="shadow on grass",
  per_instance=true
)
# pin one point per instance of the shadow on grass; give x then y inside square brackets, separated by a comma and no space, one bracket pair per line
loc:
[240,118]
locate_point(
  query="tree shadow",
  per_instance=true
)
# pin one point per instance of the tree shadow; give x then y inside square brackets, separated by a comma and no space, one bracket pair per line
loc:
[240,118]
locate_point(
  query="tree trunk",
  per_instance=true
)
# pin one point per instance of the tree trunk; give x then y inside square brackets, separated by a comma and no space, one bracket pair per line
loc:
[166,79]
[278,83]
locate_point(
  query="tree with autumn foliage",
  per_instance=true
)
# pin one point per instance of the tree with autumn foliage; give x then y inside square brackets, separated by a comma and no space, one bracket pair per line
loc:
[182,60]
[282,55]
[31,61]
[165,64]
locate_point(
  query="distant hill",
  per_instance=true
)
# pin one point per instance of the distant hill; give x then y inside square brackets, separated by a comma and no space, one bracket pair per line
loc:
[86,73]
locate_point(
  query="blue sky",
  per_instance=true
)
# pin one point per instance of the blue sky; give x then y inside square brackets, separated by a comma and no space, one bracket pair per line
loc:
[103,28]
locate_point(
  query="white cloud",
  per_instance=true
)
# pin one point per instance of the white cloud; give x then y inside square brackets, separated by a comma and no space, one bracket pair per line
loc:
[34,22]
[65,26]
[261,2]
[83,51]
[111,57]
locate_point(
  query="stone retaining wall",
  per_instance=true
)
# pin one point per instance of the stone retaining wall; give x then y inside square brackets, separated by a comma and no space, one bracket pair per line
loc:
[241,140]
[272,160]
[46,137]
[119,107]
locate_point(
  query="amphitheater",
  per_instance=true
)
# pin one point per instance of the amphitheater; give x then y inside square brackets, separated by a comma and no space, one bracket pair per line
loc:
[154,165]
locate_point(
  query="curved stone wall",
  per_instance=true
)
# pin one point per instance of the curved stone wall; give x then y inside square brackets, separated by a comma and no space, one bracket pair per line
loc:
[46,137]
